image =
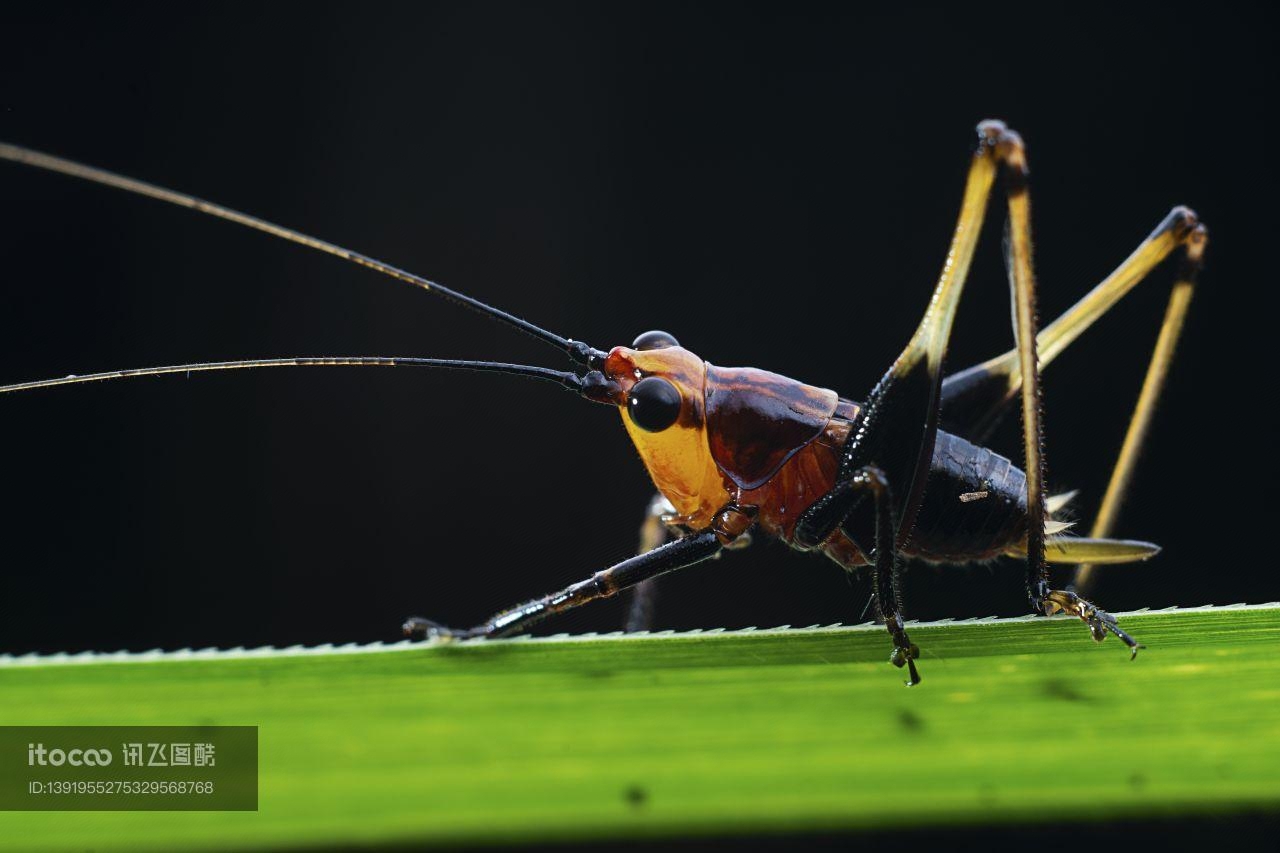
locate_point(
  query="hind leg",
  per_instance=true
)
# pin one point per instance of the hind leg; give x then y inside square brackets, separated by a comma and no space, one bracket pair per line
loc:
[1100,622]
[974,399]
[1152,385]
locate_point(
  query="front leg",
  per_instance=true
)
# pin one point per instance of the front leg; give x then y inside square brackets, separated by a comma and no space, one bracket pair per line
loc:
[661,525]
[603,584]
[654,532]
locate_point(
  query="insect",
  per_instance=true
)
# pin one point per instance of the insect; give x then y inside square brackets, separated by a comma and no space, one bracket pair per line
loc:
[899,474]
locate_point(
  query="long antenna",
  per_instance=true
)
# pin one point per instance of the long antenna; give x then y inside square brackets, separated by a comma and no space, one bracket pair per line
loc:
[576,350]
[565,379]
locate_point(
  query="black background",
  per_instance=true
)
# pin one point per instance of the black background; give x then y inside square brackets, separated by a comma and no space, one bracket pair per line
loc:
[774,188]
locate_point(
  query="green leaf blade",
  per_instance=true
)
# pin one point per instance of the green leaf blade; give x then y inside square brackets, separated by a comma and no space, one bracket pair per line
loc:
[652,736]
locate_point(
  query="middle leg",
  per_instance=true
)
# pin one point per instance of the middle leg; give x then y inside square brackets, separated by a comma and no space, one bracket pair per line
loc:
[829,512]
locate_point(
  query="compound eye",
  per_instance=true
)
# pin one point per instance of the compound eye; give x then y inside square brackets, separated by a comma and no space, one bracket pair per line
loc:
[654,404]
[654,340]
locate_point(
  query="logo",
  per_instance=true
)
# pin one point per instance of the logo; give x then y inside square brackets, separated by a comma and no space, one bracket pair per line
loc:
[38,755]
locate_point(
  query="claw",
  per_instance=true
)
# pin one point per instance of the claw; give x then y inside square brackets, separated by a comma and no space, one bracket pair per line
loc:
[906,656]
[1100,622]
[426,629]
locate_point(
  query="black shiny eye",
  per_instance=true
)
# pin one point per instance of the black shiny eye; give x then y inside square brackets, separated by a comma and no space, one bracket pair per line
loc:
[654,340]
[654,404]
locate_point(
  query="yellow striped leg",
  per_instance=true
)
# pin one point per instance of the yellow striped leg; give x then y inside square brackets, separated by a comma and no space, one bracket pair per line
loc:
[1152,384]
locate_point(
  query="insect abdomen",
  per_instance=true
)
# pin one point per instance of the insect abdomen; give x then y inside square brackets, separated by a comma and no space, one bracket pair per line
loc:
[974,506]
